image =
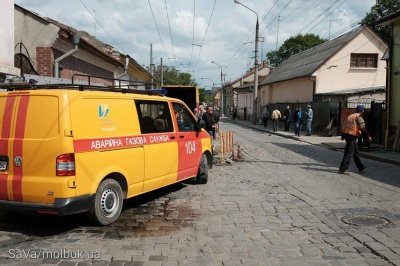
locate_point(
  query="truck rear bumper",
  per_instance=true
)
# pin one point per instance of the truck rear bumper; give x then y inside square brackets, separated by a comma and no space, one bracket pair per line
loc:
[60,207]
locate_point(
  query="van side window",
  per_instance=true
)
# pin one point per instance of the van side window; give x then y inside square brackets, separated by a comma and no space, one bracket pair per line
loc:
[154,116]
[184,118]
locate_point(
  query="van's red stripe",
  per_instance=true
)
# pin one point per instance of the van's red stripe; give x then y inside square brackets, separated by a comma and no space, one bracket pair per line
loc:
[5,135]
[17,147]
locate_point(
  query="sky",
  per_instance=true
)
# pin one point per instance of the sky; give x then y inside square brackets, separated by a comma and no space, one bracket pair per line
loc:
[202,37]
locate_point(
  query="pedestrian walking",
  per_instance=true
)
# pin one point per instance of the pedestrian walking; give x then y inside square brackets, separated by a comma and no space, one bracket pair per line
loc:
[352,128]
[298,119]
[265,117]
[276,115]
[287,116]
[310,115]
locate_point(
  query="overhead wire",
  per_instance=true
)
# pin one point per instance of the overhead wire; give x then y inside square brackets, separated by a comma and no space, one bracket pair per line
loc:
[154,18]
[302,11]
[170,33]
[266,26]
[205,34]
[317,17]
[94,17]
[327,15]
[247,41]
[345,29]
[194,17]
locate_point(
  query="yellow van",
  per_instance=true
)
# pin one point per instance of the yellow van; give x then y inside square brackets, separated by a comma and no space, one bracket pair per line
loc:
[70,150]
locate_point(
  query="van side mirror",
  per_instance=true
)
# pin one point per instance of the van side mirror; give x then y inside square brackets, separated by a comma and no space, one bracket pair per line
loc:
[200,124]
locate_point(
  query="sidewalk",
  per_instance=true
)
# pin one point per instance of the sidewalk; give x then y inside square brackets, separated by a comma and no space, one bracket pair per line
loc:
[334,142]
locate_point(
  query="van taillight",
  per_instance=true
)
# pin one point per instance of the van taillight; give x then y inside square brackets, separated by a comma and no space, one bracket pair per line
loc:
[65,165]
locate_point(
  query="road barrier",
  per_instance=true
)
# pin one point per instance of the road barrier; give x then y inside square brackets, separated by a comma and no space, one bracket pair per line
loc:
[227,146]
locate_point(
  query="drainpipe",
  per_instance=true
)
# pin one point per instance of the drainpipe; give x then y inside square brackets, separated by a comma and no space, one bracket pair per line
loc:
[125,68]
[75,41]
[314,86]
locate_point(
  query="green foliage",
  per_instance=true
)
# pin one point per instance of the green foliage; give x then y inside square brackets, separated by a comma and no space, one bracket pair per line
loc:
[206,96]
[293,45]
[381,9]
[172,76]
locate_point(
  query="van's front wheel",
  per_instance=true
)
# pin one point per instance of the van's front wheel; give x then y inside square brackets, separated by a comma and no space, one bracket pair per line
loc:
[202,173]
[107,203]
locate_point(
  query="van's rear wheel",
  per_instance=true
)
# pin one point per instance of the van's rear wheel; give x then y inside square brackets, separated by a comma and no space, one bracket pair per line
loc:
[107,203]
[202,173]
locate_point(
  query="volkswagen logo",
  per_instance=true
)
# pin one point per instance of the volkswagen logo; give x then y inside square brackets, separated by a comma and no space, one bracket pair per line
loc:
[18,161]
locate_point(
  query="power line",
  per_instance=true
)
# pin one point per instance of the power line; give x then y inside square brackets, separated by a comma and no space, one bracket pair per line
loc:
[208,25]
[346,29]
[228,63]
[317,17]
[154,18]
[327,16]
[170,33]
[101,26]
[299,12]
[194,16]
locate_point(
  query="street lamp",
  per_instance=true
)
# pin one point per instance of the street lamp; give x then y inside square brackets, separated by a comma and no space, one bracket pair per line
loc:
[255,90]
[210,79]
[222,91]
[330,22]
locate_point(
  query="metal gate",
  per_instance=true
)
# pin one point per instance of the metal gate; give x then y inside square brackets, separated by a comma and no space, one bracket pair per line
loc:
[377,122]
[374,117]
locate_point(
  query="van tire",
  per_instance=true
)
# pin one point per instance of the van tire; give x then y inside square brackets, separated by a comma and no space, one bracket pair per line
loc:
[107,203]
[202,173]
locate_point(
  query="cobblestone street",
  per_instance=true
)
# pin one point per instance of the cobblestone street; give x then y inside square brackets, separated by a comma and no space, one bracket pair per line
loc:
[283,204]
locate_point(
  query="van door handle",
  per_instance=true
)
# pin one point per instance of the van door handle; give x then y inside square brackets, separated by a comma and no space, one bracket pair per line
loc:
[181,136]
[172,137]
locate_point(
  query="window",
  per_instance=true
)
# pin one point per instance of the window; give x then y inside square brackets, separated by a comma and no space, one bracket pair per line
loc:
[154,117]
[184,119]
[364,60]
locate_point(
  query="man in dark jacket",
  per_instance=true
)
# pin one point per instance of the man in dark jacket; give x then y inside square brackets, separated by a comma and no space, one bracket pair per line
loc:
[216,117]
[298,119]
[287,116]
[208,118]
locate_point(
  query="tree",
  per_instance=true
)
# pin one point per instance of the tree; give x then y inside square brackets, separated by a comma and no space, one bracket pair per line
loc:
[172,76]
[293,45]
[206,96]
[381,9]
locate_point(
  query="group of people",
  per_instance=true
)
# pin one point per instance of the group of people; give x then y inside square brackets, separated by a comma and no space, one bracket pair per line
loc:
[353,128]
[299,118]
[211,118]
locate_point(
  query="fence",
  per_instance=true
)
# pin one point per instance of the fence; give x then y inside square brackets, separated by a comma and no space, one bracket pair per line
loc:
[329,112]
[324,112]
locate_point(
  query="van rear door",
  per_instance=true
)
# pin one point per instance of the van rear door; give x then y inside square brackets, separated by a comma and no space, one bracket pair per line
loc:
[30,142]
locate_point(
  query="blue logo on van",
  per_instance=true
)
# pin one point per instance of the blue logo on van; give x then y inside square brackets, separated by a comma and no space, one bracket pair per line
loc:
[103,110]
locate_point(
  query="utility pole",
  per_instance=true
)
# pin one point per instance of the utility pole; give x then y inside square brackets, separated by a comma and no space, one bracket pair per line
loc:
[222,90]
[255,90]
[162,73]
[277,33]
[151,66]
